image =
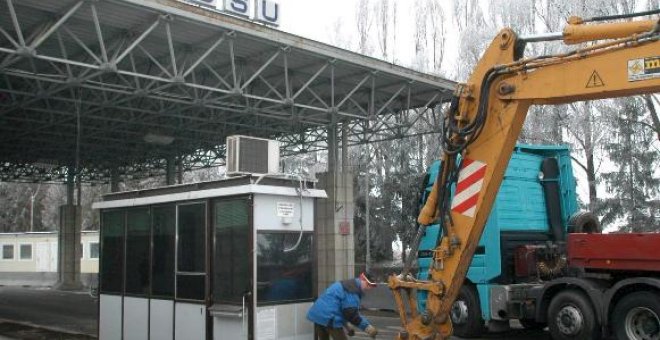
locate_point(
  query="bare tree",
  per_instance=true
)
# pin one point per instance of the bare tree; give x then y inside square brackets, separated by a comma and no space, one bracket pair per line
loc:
[338,37]
[587,128]
[420,58]
[464,13]
[383,15]
[475,33]
[517,14]
[394,29]
[364,21]
[436,20]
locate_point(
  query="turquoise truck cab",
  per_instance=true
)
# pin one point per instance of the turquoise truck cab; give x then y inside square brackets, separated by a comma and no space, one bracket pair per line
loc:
[520,216]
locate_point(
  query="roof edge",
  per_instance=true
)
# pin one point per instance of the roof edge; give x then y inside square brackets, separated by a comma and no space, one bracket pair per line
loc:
[199,14]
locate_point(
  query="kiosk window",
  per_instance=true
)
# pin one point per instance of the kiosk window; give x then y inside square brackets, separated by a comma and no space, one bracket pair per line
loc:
[190,287]
[112,238]
[284,276]
[191,250]
[164,238]
[231,272]
[138,223]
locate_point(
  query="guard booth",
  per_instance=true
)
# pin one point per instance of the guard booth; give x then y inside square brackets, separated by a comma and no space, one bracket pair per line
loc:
[229,259]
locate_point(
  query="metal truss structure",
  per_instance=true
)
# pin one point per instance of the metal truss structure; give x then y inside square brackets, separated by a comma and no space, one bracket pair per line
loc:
[119,88]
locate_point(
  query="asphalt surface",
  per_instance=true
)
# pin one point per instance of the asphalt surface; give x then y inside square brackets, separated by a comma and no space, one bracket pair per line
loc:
[27,313]
[44,314]
[380,310]
[388,325]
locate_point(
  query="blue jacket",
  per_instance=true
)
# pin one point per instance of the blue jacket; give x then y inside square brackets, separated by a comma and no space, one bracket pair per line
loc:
[339,304]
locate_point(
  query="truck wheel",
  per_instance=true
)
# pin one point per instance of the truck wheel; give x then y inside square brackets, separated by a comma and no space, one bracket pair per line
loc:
[571,317]
[466,313]
[584,222]
[636,317]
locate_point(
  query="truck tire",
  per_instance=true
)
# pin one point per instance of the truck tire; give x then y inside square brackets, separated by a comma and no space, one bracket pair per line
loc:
[637,316]
[584,222]
[572,317]
[466,313]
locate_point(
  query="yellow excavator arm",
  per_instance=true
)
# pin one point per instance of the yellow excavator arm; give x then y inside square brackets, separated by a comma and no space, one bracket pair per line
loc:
[482,126]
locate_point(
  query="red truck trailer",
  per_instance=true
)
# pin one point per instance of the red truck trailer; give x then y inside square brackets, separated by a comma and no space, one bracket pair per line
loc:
[614,289]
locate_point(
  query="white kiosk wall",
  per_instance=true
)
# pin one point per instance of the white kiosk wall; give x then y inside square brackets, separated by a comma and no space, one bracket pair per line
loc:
[283,256]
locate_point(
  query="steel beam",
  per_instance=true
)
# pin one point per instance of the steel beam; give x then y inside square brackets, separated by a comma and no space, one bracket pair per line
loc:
[135,42]
[37,42]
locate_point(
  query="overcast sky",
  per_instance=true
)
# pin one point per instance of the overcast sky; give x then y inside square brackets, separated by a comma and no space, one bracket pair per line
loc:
[313,18]
[317,20]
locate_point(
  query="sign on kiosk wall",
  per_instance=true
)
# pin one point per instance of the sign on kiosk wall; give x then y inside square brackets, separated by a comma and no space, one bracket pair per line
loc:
[264,11]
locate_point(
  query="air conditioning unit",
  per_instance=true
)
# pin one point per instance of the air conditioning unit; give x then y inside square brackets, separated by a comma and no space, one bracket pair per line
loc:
[251,155]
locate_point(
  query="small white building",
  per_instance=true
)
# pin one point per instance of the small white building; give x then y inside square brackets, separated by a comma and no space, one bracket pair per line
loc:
[230,259]
[31,258]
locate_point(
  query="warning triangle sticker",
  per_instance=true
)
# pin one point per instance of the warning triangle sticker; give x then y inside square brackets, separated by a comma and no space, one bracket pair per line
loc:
[595,80]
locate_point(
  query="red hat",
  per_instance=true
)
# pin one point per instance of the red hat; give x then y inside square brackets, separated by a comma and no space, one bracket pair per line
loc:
[368,279]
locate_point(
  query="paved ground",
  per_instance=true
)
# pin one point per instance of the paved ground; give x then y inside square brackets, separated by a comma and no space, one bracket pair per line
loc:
[13,331]
[380,298]
[44,314]
[60,315]
[388,326]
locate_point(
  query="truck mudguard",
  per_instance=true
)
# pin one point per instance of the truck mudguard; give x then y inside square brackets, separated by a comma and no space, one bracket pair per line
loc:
[594,288]
[618,290]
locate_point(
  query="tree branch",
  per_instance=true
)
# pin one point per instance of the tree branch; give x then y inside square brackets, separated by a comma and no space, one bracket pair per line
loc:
[584,167]
[644,124]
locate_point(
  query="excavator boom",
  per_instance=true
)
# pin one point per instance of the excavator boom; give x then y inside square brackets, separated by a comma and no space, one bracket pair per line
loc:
[482,125]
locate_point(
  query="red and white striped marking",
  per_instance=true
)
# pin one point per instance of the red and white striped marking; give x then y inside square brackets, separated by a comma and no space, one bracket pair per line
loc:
[470,181]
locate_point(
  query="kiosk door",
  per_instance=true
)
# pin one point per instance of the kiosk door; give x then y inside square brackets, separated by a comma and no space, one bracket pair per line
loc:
[189,309]
[232,269]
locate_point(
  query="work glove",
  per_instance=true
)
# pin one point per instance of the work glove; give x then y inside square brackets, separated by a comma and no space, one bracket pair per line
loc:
[371,330]
[349,330]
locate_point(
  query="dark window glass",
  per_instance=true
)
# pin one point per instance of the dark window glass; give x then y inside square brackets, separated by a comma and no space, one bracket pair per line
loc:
[112,238]
[231,273]
[8,252]
[138,222]
[26,252]
[192,238]
[94,250]
[283,276]
[190,287]
[164,238]
[191,250]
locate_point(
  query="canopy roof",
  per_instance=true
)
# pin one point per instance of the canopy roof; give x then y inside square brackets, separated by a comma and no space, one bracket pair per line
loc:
[118,87]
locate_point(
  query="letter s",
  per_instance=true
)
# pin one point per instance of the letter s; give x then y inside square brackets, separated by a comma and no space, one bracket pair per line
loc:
[239,6]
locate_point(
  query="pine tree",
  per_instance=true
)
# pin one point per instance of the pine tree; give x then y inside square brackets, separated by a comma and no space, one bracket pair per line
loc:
[633,183]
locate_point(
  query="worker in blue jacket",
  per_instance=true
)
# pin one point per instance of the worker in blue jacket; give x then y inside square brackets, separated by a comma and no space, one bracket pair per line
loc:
[338,305]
